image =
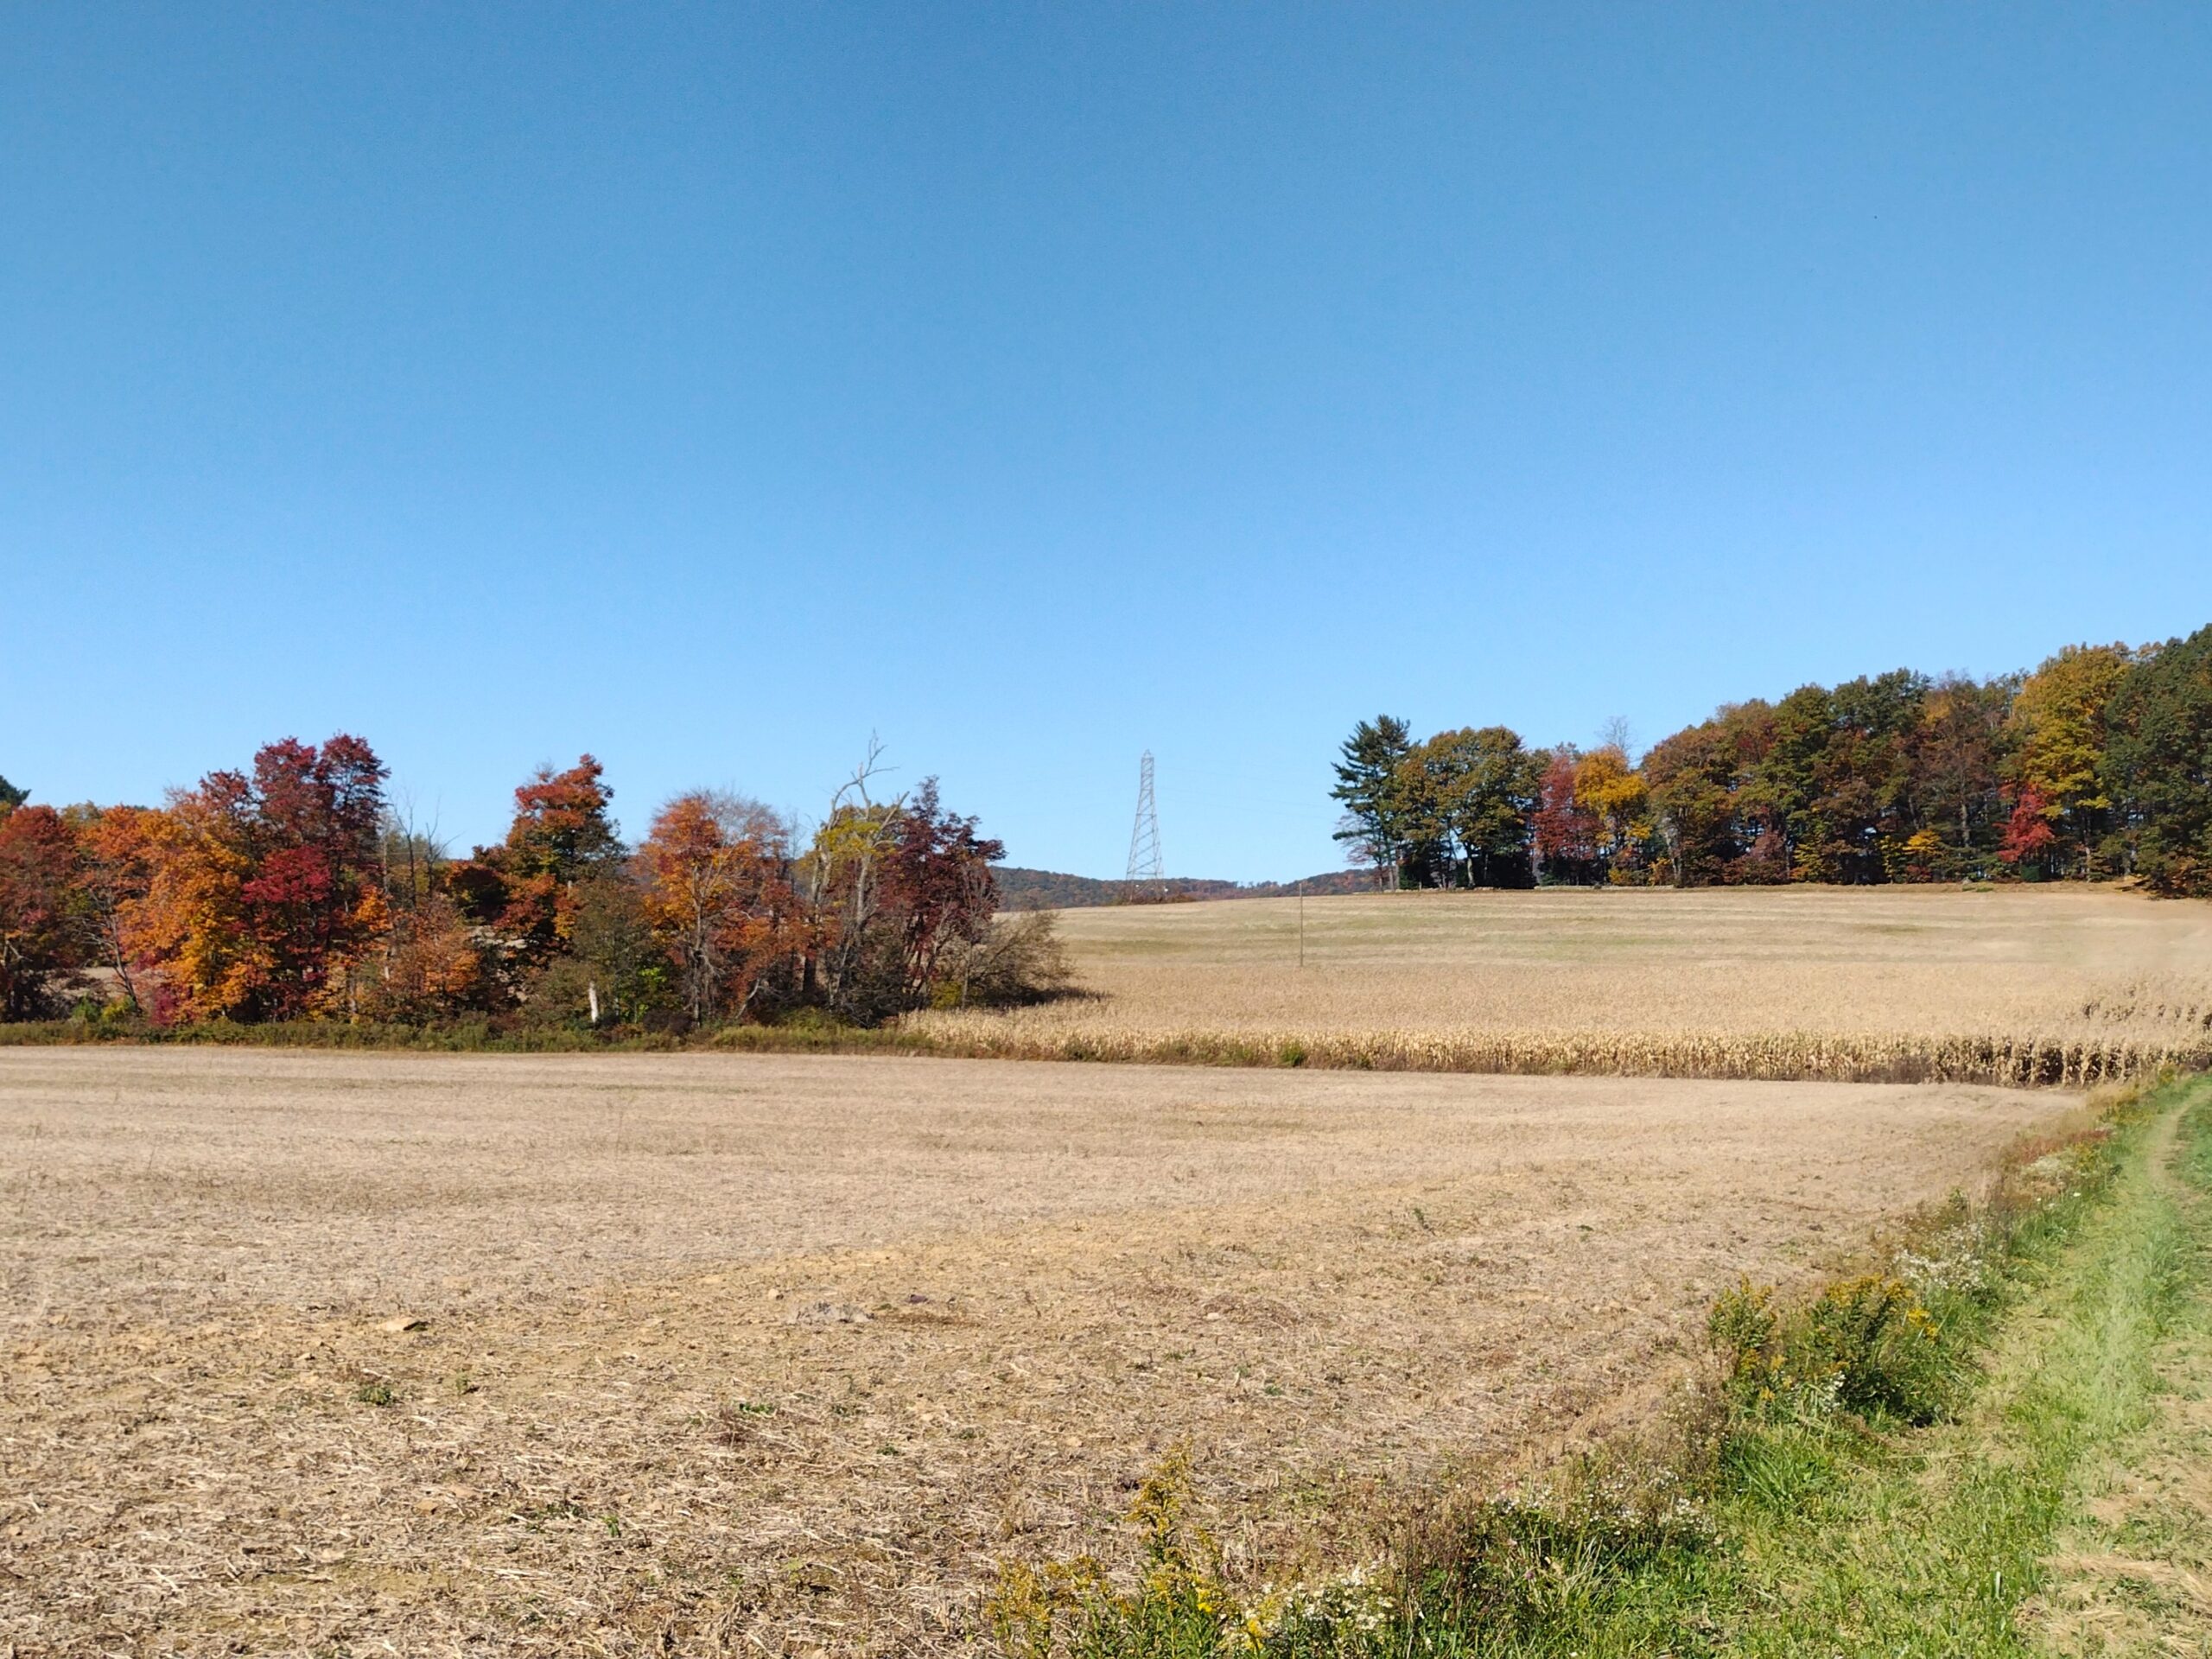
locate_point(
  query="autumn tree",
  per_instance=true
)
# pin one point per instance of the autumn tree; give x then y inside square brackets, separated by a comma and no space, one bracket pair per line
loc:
[116,849]
[266,885]
[429,968]
[427,963]
[39,949]
[937,883]
[841,876]
[1613,792]
[718,896]
[1957,764]
[2028,843]
[2057,725]
[891,888]
[190,926]
[1564,831]
[525,889]
[315,895]
[1694,778]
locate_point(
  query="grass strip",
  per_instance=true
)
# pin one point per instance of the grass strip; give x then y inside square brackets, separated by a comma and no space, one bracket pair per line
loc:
[1875,1478]
[1932,1544]
[2133,1572]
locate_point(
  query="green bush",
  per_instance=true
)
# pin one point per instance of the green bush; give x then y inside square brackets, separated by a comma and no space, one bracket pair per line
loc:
[1866,1345]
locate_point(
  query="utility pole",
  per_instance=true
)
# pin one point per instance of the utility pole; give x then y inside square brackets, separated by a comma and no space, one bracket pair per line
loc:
[1301,924]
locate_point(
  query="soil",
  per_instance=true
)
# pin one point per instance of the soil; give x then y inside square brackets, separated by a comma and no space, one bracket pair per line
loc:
[359,1354]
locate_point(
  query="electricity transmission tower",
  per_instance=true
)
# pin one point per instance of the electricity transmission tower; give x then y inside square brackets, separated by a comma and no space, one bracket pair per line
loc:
[1144,836]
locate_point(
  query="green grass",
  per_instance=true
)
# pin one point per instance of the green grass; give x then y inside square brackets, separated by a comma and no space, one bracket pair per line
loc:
[2133,1572]
[1929,1543]
[1781,1522]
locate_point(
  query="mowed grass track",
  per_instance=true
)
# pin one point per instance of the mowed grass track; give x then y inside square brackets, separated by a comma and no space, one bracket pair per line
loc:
[2014,985]
[1935,1555]
[738,1354]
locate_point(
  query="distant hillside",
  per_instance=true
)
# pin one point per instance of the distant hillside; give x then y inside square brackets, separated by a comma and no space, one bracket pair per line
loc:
[1020,889]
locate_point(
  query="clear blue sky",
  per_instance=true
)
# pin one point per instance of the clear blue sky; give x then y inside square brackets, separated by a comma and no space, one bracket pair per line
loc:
[709,387]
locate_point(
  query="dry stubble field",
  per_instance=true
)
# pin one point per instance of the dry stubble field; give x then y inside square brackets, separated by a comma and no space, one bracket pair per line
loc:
[727,1353]
[2016,984]
[721,1352]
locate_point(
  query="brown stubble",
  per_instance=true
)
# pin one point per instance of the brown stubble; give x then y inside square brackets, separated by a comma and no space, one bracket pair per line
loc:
[784,1353]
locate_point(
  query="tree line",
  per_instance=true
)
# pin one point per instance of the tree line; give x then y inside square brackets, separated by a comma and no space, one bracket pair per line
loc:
[294,890]
[1027,889]
[2096,765]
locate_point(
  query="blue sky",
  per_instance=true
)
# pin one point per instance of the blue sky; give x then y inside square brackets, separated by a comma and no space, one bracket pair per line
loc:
[711,387]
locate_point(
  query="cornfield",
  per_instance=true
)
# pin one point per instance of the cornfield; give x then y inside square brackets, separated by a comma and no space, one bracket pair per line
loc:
[1825,1056]
[2017,988]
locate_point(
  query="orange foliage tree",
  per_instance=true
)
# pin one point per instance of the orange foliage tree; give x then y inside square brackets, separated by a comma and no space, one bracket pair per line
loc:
[719,897]
[264,885]
[427,967]
[116,849]
[525,889]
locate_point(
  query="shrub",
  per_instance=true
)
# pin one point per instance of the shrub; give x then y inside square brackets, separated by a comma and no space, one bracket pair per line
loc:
[1882,1347]
[1518,1564]
[1866,1345]
[1018,960]
[1178,1606]
[1530,1563]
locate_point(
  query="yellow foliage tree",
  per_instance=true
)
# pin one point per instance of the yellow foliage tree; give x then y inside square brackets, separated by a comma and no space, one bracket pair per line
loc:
[1605,785]
[2057,722]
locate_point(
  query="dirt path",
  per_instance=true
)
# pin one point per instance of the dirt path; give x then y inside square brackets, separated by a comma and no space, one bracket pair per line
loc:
[783,1354]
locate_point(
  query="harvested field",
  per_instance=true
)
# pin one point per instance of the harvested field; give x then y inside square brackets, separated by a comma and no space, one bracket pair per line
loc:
[743,1354]
[2015,986]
